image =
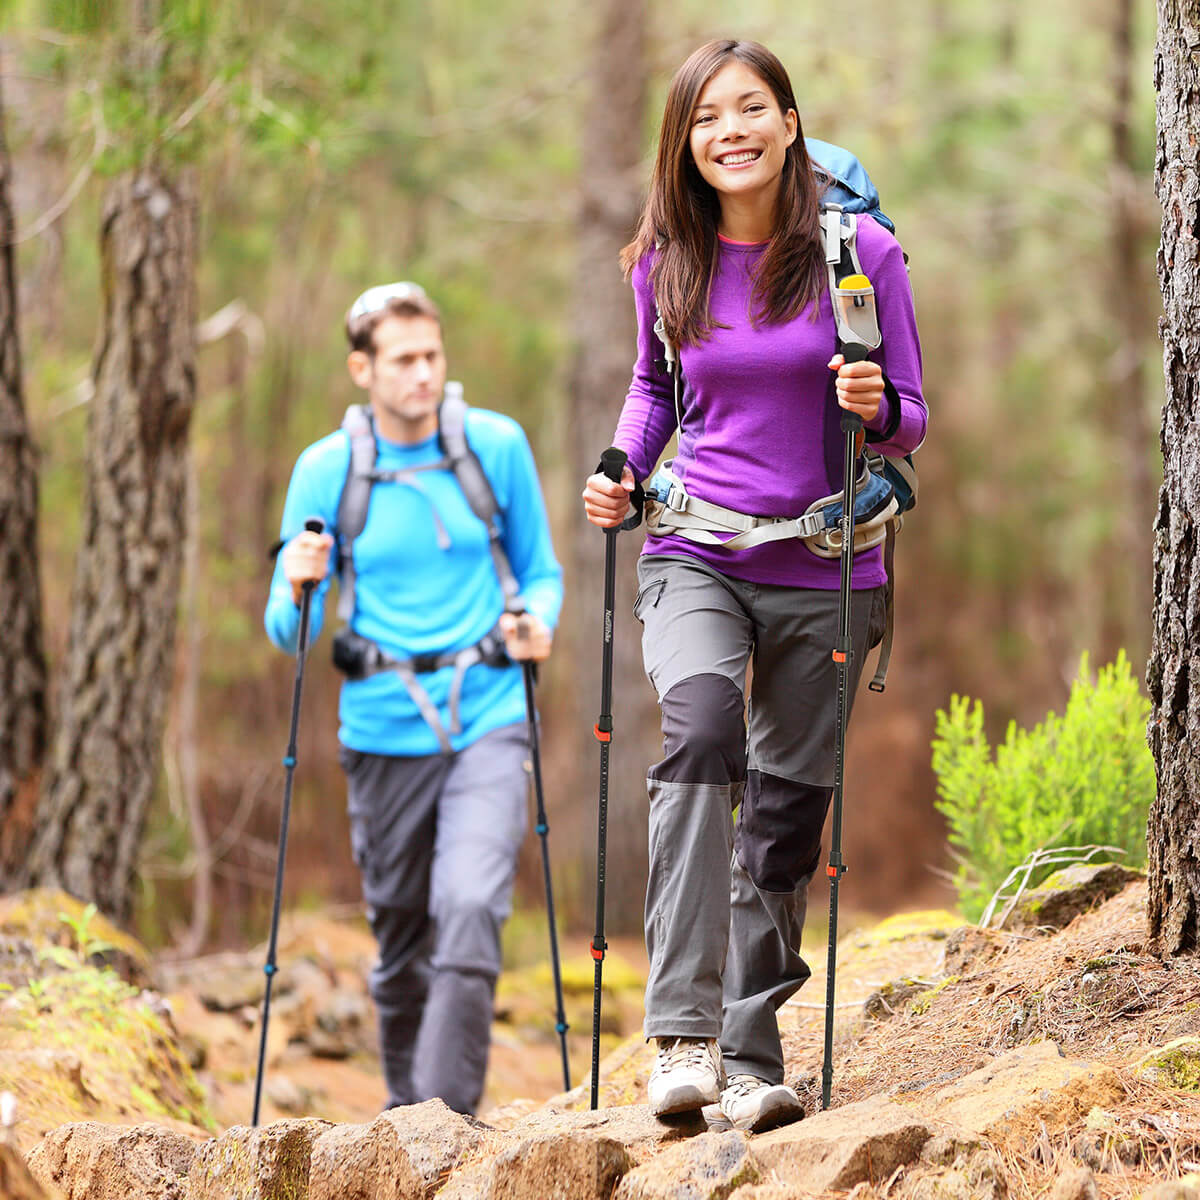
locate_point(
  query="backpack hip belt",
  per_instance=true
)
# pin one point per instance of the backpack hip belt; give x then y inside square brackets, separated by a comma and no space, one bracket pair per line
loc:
[669,510]
[360,658]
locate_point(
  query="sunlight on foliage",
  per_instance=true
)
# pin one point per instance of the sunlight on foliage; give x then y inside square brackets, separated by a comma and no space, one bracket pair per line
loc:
[1084,777]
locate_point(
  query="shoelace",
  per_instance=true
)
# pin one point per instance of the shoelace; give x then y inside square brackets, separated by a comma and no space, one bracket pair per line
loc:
[683,1052]
[743,1085]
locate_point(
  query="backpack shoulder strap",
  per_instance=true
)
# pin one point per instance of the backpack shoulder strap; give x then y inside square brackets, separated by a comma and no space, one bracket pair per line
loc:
[468,470]
[355,499]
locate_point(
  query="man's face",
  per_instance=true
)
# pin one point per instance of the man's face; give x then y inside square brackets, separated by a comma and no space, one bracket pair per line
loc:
[404,377]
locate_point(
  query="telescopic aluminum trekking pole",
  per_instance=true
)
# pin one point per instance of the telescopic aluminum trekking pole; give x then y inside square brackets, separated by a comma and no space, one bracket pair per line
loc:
[842,655]
[313,525]
[543,828]
[612,463]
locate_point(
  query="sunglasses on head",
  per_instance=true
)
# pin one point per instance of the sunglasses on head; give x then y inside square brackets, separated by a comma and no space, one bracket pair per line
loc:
[379,297]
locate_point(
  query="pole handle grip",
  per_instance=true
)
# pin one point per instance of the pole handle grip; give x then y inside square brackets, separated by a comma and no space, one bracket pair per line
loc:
[855,351]
[314,525]
[612,463]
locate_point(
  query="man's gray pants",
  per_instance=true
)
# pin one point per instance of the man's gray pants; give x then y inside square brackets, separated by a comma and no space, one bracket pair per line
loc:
[725,907]
[436,839]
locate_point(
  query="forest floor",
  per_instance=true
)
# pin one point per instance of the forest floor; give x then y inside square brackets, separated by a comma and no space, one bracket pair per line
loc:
[921,1001]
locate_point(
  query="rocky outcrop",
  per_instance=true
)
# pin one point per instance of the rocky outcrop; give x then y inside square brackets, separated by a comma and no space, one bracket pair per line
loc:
[1067,893]
[270,1163]
[1027,1087]
[404,1153]
[16,1181]
[834,1150]
[90,1161]
[708,1167]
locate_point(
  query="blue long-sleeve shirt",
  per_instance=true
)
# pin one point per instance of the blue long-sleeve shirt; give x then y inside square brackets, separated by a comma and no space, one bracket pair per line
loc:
[414,597]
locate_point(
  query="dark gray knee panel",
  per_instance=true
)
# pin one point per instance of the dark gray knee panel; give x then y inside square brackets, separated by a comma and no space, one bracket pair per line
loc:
[778,837]
[704,732]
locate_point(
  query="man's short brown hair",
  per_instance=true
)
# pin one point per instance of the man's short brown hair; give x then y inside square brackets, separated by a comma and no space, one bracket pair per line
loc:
[386,300]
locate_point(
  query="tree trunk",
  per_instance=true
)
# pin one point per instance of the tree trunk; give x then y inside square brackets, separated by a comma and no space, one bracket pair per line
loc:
[605,338]
[22,659]
[117,676]
[1173,675]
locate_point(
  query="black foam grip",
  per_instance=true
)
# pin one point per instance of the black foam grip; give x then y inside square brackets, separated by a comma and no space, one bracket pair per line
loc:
[855,352]
[314,525]
[612,463]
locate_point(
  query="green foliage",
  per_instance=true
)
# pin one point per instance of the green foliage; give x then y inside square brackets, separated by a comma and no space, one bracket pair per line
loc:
[1086,777]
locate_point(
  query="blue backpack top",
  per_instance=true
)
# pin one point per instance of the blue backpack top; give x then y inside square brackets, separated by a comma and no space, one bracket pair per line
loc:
[852,187]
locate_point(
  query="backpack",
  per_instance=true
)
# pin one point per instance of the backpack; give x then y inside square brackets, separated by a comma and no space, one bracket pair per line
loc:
[887,487]
[359,657]
[457,456]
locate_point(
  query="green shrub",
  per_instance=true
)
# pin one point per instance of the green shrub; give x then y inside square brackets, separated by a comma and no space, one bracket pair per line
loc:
[1085,778]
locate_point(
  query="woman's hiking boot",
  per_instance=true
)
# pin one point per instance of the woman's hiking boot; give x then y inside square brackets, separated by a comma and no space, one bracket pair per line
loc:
[687,1075]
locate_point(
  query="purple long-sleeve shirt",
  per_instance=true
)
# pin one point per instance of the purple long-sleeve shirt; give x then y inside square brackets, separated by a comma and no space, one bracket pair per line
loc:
[761,429]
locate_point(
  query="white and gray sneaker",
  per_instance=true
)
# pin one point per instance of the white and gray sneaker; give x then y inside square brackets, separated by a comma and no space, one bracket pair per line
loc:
[754,1104]
[687,1075]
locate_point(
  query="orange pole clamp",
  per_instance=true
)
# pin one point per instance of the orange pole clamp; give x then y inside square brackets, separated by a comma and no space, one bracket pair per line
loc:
[601,736]
[839,656]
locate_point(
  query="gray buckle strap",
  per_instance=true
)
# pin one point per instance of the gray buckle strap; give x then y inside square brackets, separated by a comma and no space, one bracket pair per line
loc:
[420,697]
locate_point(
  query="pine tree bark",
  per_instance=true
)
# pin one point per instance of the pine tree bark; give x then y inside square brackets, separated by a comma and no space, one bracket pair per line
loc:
[22,657]
[107,750]
[605,336]
[1173,673]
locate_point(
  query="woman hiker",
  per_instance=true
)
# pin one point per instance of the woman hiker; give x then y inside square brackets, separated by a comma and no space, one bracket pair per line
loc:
[729,253]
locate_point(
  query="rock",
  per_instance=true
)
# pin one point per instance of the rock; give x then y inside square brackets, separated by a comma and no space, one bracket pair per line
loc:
[707,1167]
[16,1183]
[976,1173]
[405,1152]
[287,1095]
[1019,1089]
[1069,892]
[969,949]
[949,1149]
[1076,1184]
[269,1163]
[834,1150]
[1175,1065]
[1185,1188]
[552,1154]
[633,1125]
[90,1161]
[359,1162]
[889,999]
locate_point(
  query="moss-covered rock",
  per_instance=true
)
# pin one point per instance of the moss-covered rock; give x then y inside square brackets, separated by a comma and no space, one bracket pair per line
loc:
[1069,892]
[1176,1065]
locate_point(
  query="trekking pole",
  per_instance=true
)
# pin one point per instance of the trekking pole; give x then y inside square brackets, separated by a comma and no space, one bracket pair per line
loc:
[842,655]
[543,828]
[313,525]
[612,463]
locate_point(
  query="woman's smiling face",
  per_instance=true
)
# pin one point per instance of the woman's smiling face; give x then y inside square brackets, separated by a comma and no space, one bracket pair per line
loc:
[739,135]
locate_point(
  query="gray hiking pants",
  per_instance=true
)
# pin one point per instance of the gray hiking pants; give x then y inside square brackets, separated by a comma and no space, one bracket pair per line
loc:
[436,839]
[725,907]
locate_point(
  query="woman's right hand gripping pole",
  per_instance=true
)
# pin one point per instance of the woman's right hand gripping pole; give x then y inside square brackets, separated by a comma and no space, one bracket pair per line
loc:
[606,501]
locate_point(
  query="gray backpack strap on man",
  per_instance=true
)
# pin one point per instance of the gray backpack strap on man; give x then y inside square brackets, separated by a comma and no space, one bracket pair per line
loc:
[463,461]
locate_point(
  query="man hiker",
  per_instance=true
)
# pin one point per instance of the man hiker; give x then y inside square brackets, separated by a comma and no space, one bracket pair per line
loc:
[436,527]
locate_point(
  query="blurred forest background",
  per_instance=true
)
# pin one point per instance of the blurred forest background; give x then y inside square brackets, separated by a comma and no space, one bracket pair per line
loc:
[496,152]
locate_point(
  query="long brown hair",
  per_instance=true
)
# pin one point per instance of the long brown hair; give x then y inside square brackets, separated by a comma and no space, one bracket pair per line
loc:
[682,210]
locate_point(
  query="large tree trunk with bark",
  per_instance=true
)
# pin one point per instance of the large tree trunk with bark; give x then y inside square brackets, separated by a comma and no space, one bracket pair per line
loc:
[1173,675]
[22,658]
[117,675]
[605,337]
